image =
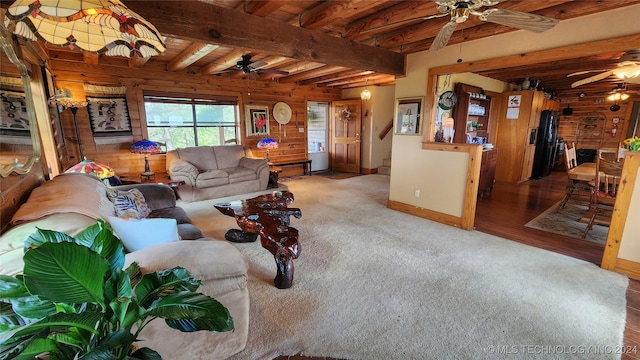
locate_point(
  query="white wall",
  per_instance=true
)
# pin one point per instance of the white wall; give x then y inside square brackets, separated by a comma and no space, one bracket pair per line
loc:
[438,173]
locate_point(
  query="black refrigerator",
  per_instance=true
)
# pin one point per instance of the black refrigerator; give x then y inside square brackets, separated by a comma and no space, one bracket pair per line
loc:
[545,145]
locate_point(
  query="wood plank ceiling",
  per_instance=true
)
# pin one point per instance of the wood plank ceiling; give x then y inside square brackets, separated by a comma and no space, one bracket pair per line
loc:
[326,43]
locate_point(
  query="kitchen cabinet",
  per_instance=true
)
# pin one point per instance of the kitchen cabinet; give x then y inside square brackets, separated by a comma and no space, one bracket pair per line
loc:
[487,171]
[518,122]
[473,107]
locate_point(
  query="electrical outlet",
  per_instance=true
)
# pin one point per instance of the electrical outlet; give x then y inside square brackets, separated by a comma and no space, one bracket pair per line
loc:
[301,130]
[416,193]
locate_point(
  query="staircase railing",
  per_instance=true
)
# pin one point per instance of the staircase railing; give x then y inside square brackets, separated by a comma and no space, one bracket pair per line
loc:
[386,130]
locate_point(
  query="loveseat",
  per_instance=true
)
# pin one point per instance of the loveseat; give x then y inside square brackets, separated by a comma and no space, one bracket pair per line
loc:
[216,171]
[71,202]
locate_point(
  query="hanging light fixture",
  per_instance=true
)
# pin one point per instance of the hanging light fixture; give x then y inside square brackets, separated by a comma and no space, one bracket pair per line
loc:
[101,26]
[365,95]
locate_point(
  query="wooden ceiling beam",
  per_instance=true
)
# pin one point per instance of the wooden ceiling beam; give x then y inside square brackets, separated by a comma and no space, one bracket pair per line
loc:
[403,11]
[262,7]
[222,63]
[335,76]
[193,53]
[369,79]
[330,11]
[137,61]
[202,22]
[314,73]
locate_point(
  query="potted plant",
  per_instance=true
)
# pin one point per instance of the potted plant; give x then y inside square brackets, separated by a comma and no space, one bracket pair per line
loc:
[632,143]
[74,300]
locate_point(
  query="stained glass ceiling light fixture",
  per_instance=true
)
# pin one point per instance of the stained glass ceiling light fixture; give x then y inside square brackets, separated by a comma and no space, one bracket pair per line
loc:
[101,26]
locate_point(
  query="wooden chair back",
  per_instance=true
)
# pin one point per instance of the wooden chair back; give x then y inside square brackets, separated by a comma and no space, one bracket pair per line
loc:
[608,154]
[570,156]
[608,175]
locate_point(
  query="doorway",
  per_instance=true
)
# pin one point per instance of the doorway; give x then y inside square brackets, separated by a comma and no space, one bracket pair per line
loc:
[346,125]
[317,121]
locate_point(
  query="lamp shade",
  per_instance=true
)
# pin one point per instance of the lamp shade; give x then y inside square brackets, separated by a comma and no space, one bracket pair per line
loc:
[267,143]
[145,147]
[101,26]
[365,95]
[91,167]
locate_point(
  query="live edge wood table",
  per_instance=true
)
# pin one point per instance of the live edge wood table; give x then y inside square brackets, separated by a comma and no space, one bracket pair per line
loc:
[267,216]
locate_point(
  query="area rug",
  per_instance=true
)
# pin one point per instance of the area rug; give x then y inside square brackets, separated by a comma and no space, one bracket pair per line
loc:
[375,283]
[567,221]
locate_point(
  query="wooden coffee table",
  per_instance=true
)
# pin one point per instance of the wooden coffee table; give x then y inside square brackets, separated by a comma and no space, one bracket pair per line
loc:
[267,216]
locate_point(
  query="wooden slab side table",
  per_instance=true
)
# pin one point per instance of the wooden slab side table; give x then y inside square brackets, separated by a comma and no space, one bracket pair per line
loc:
[267,216]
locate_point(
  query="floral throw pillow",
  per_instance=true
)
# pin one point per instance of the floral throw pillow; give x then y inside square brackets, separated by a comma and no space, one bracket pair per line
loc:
[129,203]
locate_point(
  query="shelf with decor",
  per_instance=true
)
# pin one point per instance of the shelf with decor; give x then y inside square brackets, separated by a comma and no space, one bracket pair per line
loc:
[471,113]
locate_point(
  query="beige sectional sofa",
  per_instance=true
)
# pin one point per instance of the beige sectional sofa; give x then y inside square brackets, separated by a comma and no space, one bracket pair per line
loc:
[71,202]
[216,171]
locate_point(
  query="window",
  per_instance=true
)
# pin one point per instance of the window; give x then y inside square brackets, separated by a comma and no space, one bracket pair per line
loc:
[183,120]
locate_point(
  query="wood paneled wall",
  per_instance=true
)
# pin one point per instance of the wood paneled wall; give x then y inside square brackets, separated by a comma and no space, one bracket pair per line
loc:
[587,106]
[73,75]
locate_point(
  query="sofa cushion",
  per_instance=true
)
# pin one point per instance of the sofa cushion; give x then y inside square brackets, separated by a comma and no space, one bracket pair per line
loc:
[201,157]
[177,213]
[239,174]
[137,234]
[228,156]
[212,178]
[130,203]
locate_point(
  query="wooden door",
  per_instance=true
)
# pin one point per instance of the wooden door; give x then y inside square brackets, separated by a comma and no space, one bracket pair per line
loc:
[346,125]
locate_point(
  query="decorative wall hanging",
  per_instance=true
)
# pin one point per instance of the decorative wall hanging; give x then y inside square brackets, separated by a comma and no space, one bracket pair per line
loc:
[256,119]
[13,115]
[409,116]
[109,116]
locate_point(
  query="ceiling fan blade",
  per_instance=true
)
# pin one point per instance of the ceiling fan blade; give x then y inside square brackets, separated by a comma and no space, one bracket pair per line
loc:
[224,71]
[518,19]
[272,71]
[593,78]
[634,80]
[443,35]
[584,72]
[401,22]
[257,64]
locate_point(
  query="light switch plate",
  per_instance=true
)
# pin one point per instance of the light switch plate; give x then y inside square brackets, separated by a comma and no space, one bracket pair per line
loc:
[301,130]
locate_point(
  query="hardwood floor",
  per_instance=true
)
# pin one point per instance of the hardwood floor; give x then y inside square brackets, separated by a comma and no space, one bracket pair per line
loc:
[504,211]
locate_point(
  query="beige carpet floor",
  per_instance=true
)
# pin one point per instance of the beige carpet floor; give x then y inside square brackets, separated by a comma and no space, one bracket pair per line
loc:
[374,283]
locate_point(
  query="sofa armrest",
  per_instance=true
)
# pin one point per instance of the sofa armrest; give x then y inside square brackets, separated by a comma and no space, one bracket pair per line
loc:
[253,163]
[157,196]
[183,170]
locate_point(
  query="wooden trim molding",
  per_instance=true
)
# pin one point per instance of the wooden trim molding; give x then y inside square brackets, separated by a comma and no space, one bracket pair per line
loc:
[610,259]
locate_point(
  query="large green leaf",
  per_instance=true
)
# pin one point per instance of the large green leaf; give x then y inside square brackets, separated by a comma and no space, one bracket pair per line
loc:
[37,347]
[40,237]
[119,295]
[62,322]
[165,282]
[146,354]
[9,320]
[12,288]
[65,272]
[33,307]
[189,311]
[105,243]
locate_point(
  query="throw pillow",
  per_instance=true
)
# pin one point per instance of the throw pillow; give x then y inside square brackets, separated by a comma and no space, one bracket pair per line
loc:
[137,234]
[129,203]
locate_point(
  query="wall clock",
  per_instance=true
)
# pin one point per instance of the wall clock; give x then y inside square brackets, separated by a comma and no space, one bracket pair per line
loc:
[447,100]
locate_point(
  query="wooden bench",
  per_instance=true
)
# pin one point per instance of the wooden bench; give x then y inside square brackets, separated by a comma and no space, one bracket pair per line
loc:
[306,165]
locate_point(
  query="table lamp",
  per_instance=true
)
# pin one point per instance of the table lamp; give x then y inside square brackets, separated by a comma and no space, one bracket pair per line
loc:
[146,147]
[87,166]
[268,144]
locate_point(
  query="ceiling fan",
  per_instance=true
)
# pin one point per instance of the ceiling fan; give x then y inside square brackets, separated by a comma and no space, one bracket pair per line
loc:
[459,10]
[619,93]
[628,70]
[253,68]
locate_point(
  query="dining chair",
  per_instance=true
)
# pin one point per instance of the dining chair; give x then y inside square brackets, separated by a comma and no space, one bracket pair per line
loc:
[603,199]
[575,188]
[621,152]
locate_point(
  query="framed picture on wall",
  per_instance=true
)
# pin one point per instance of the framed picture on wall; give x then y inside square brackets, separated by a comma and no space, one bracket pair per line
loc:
[256,120]
[109,116]
[409,116]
